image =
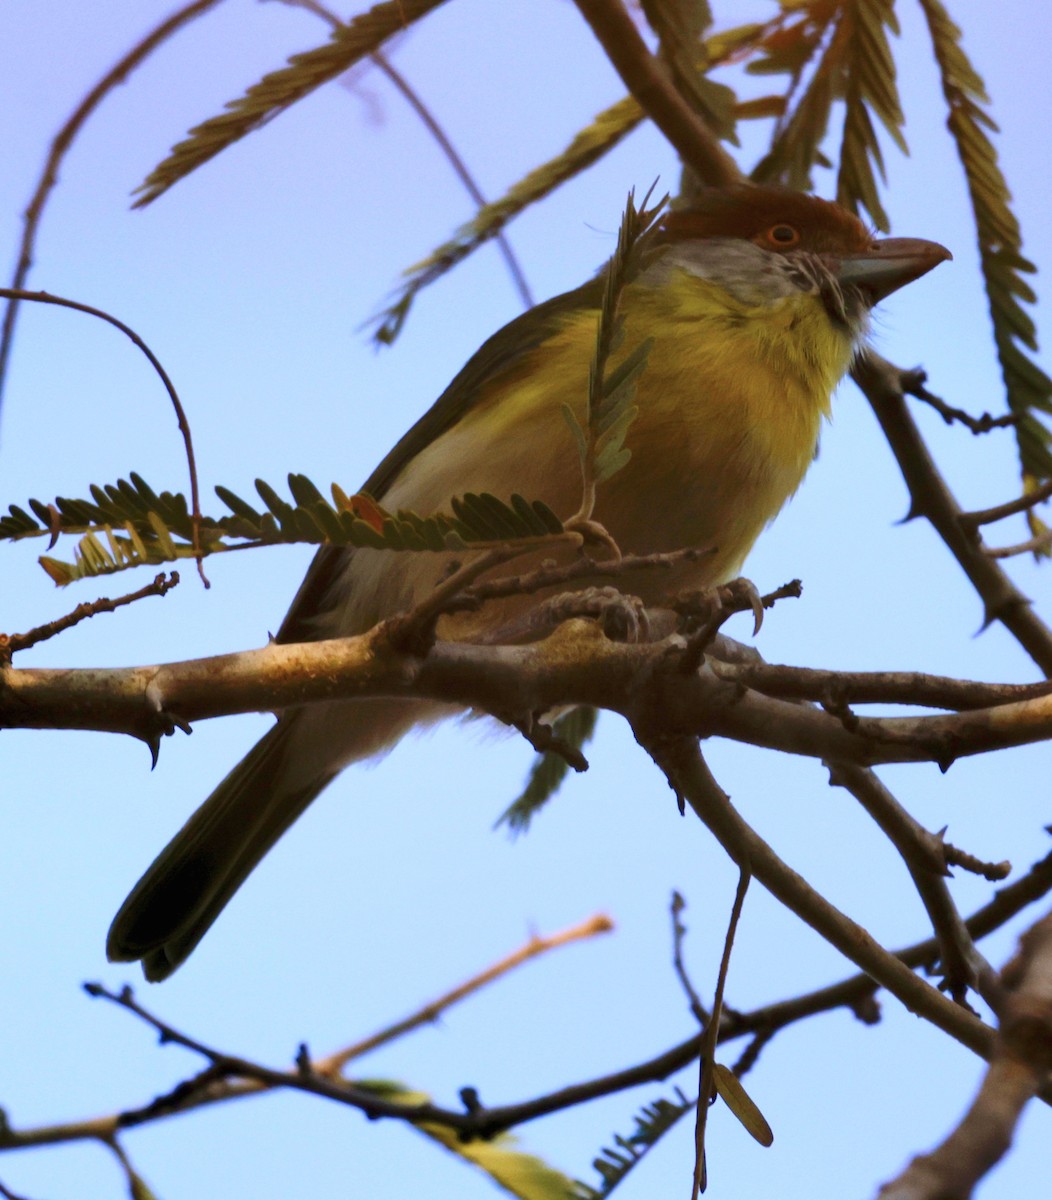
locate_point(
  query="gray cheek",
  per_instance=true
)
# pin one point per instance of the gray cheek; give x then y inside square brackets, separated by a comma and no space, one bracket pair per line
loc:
[751,275]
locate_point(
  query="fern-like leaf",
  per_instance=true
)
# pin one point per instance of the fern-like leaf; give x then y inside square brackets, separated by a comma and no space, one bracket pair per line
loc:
[1028,388]
[586,147]
[614,1162]
[600,438]
[128,525]
[789,48]
[679,28]
[870,90]
[278,90]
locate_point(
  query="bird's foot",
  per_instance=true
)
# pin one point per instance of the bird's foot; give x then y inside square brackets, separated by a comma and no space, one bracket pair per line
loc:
[623,618]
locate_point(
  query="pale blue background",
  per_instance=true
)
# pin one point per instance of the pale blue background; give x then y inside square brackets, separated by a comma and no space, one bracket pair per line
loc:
[250,281]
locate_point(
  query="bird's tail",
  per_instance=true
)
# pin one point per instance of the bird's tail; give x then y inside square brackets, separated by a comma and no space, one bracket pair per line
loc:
[189,883]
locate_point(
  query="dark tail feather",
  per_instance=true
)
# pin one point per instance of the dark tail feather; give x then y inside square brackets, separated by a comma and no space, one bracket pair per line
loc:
[189,883]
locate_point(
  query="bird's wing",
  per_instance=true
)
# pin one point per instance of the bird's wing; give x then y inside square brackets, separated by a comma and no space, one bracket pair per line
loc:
[496,355]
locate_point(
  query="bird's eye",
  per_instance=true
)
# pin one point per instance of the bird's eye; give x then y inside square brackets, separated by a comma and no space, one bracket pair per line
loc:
[783,236]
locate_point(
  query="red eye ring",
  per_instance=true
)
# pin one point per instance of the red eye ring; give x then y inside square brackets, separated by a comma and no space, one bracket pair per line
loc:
[783,236]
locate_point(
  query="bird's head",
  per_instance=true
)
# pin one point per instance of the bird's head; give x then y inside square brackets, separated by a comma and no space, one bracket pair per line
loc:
[763,244]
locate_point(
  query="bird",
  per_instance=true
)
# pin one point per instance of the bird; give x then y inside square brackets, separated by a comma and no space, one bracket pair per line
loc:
[755,300]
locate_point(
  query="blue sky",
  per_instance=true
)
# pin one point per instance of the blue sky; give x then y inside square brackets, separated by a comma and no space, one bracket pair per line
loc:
[251,281]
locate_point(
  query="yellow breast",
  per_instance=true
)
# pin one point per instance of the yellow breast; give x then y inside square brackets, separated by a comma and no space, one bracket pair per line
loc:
[730,406]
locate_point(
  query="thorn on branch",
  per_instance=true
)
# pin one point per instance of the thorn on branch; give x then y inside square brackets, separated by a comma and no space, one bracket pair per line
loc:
[303,1060]
[161,722]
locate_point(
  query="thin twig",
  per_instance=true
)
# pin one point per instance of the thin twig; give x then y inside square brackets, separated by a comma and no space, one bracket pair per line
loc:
[839,688]
[537,945]
[1032,545]
[923,853]
[690,777]
[986,516]
[61,144]
[414,631]
[173,395]
[11,644]
[584,567]
[993,871]
[460,168]
[707,1084]
[679,933]
[949,414]
[648,80]
[854,992]
[463,174]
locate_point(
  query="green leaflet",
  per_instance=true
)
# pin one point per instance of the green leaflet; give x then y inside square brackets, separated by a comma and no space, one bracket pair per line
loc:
[279,89]
[1000,241]
[517,1173]
[128,524]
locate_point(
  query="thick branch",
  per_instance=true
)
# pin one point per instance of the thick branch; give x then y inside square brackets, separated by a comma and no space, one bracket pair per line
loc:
[650,83]
[575,665]
[884,386]
[688,773]
[1020,1066]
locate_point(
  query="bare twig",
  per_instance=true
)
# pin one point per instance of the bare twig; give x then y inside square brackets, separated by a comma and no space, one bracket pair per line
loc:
[679,933]
[994,872]
[173,395]
[707,1081]
[840,688]
[11,644]
[689,775]
[855,992]
[537,945]
[585,567]
[986,516]
[409,94]
[518,277]
[1030,546]
[949,414]
[923,853]
[61,143]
